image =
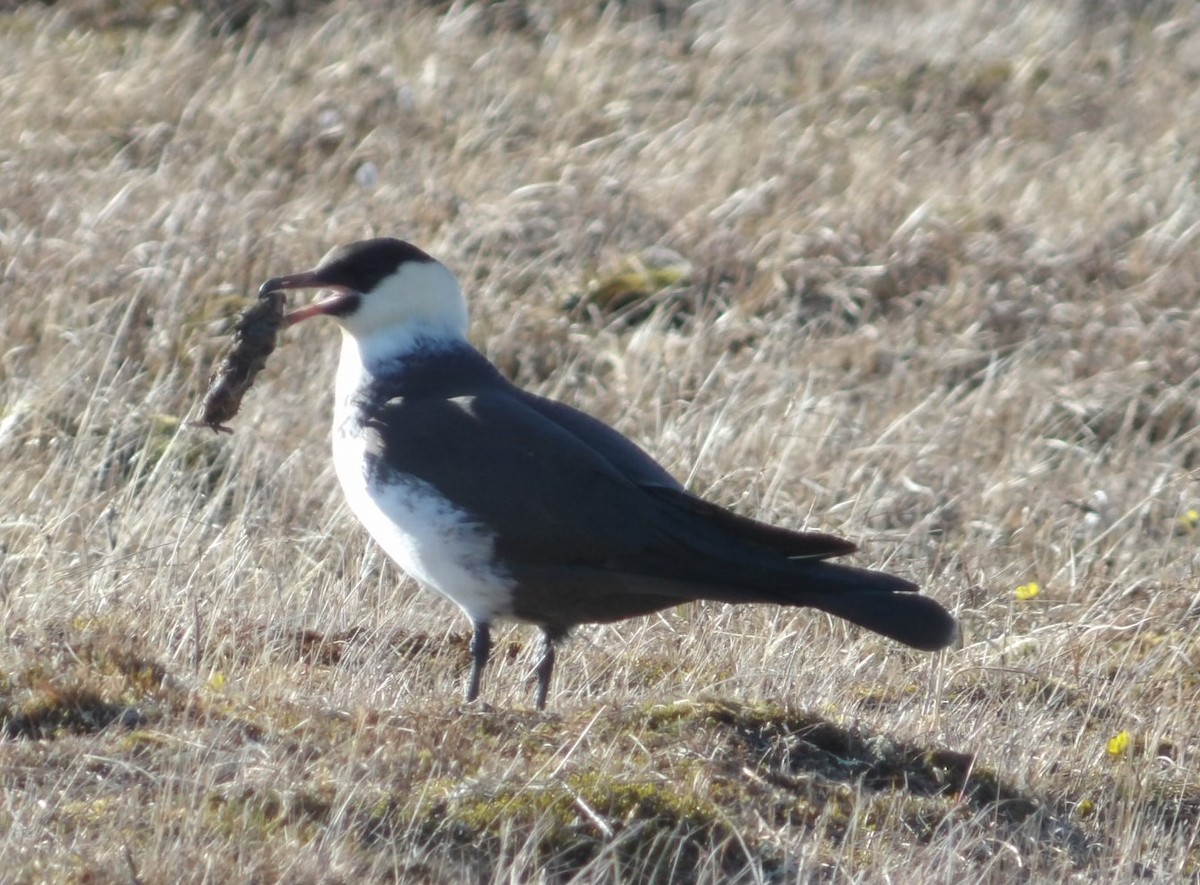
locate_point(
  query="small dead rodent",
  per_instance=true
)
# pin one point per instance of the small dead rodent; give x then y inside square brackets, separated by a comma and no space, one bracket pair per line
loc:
[254,334]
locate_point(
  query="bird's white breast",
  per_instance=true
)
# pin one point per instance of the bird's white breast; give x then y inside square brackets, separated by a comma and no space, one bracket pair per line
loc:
[424,533]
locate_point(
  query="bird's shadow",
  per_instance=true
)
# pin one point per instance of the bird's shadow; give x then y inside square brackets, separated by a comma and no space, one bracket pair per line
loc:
[815,764]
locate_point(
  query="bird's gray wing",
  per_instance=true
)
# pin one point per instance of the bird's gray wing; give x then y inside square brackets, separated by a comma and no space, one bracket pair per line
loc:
[590,533]
[636,465]
[562,491]
[621,452]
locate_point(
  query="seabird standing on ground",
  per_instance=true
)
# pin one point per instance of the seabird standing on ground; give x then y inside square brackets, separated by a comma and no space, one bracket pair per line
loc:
[516,506]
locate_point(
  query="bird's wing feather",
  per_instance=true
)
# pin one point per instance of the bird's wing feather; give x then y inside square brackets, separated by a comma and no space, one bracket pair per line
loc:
[565,493]
[621,452]
[639,467]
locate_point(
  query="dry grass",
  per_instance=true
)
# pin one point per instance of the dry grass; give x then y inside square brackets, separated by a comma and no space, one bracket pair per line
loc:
[941,297]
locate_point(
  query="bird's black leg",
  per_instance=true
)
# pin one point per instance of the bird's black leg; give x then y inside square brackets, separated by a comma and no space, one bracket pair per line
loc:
[546,665]
[481,646]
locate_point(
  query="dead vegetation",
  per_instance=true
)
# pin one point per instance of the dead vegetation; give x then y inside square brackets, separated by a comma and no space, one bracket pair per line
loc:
[921,273]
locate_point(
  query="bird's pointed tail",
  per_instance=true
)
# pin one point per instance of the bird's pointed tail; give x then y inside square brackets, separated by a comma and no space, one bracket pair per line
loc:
[883,603]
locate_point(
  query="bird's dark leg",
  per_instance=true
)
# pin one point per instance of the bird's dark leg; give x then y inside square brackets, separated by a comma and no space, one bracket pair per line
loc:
[545,665]
[481,646]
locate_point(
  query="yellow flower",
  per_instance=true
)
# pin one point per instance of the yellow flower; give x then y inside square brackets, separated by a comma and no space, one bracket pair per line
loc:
[1028,591]
[1188,521]
[1118,744]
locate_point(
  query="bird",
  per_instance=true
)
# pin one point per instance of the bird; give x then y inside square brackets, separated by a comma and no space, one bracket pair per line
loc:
[519,507]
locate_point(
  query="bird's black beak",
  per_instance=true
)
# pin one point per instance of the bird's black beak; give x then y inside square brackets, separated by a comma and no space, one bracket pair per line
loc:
[341,302]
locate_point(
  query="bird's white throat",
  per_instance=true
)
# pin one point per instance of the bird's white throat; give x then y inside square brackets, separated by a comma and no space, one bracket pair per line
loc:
[367,358]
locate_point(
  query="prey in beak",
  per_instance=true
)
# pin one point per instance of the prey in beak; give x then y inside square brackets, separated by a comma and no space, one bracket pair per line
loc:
[342,300]
[254,335]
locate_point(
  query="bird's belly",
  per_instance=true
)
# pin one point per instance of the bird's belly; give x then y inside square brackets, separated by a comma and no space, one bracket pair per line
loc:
[425,534]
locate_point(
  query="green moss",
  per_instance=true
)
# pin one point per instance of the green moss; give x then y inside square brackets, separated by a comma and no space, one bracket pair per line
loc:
[688,713]
[629,286]
[55,709]
[633,287]
[651,826]
[265,812]
[85,675]
[791,748]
